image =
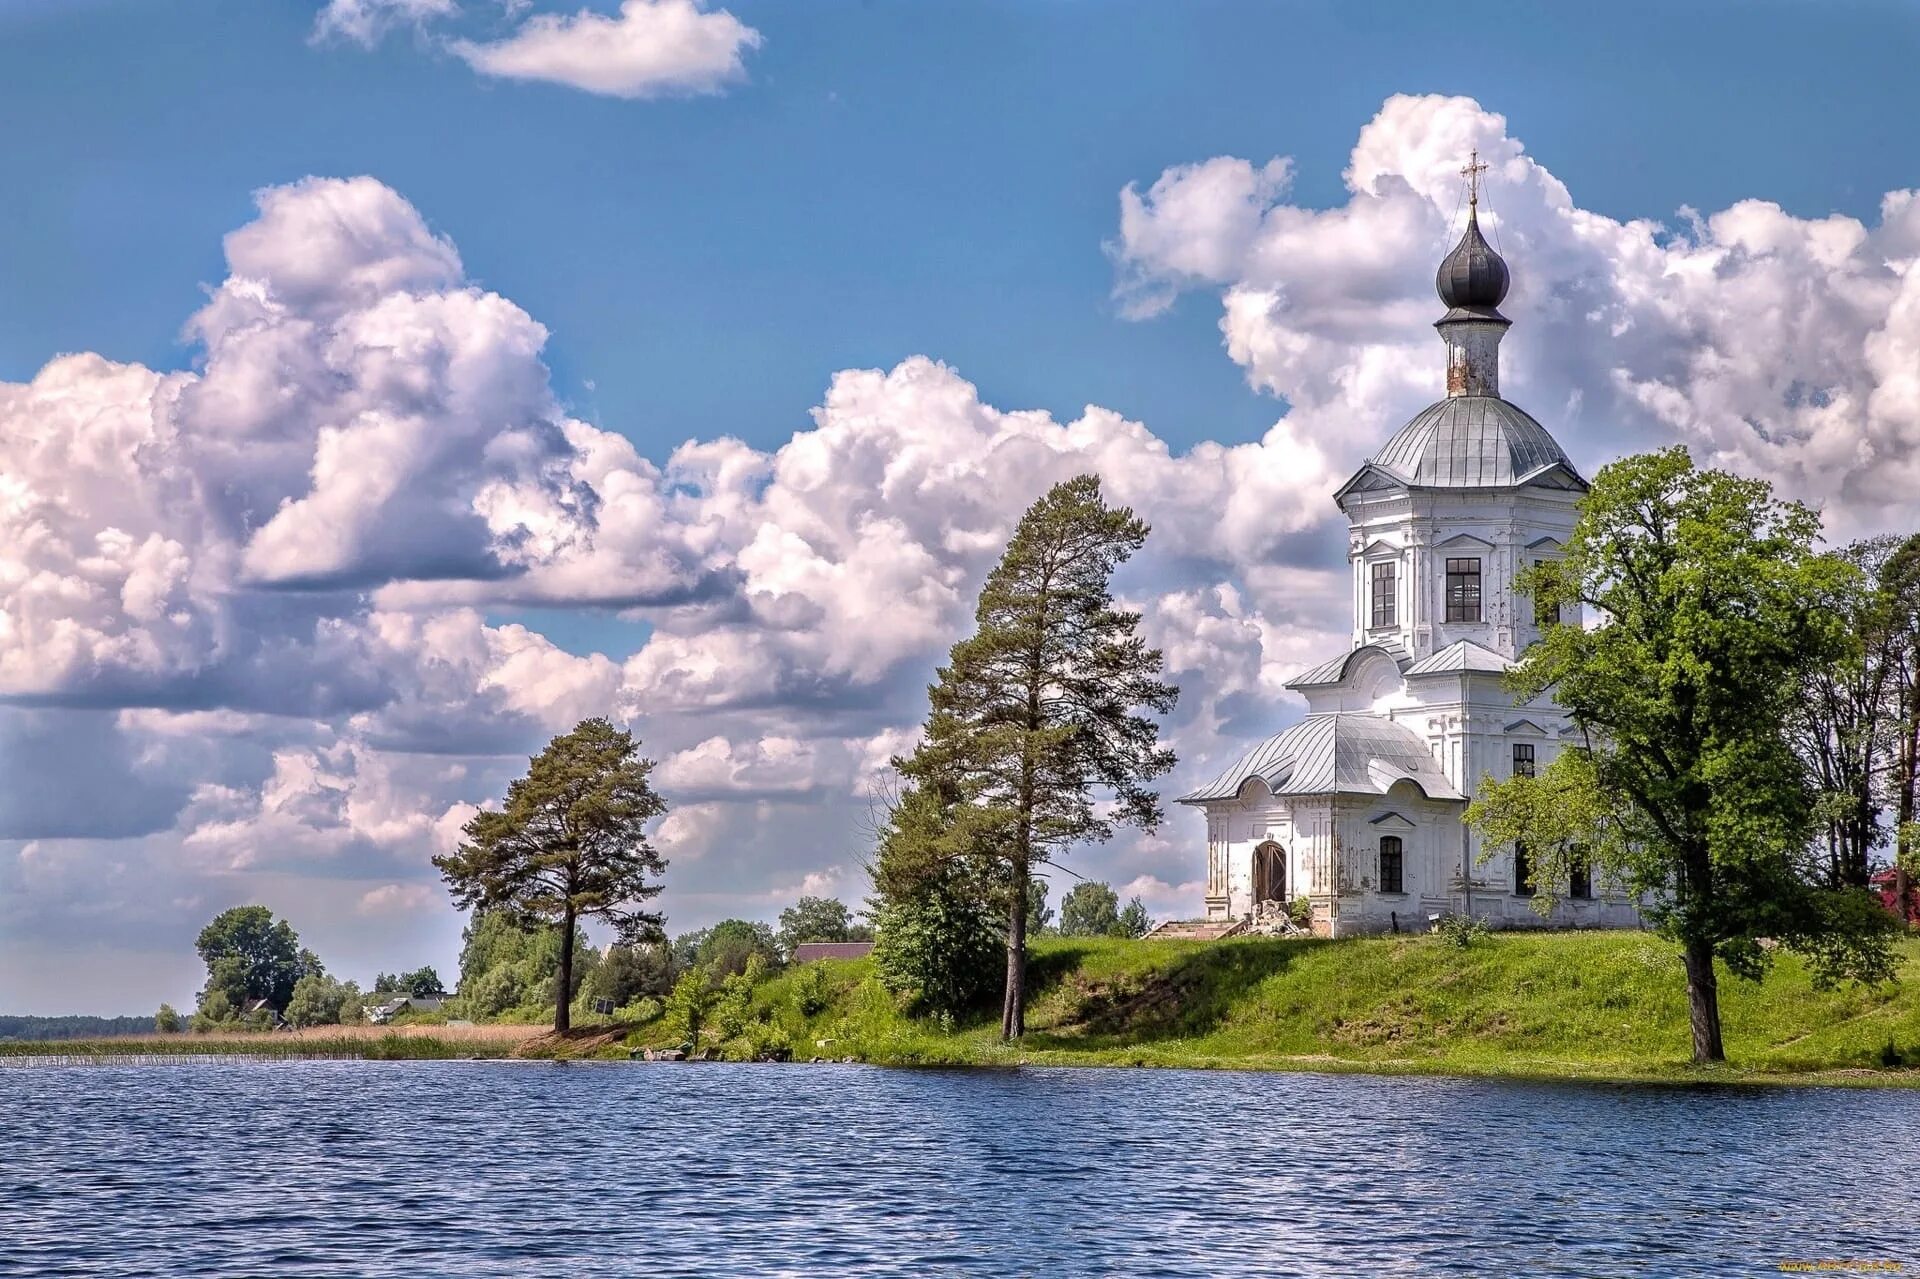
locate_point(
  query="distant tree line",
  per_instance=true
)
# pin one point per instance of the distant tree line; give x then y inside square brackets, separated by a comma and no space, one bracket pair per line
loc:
[75,1027]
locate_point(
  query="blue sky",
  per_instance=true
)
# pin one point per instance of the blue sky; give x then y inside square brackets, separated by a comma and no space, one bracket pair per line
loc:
[894,177]
[883,181]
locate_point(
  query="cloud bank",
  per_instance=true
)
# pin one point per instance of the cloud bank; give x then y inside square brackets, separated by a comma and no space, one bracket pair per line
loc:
[261,631]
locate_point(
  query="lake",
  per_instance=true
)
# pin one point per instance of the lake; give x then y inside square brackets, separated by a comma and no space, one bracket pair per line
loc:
[424,1168]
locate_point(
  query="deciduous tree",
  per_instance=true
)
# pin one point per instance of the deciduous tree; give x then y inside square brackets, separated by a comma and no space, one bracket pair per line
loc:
[569,844]
[251,955]
[818,919]
[1684,783]
[1091,909]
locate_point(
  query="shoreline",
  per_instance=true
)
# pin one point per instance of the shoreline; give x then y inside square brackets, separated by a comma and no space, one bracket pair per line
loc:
[537,1047]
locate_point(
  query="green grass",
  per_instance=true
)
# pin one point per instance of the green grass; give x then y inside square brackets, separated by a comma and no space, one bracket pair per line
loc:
[1542,1005]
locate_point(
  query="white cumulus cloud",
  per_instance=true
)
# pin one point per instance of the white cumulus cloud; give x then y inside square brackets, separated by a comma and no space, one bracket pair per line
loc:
[649,49]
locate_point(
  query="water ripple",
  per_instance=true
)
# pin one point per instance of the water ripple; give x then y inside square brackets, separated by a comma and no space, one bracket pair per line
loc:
[467,1168]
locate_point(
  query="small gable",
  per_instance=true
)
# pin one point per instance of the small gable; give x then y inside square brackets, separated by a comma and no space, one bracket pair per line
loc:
[1465,539]
[1390,822]
[1525,726]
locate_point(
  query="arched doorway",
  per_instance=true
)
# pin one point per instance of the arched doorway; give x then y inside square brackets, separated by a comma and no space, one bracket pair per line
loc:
[1269,873]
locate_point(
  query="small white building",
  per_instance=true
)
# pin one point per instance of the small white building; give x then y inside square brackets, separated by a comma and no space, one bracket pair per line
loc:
[1358,807]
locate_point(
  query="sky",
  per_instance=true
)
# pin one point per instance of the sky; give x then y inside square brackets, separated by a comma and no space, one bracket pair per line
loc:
[386,385]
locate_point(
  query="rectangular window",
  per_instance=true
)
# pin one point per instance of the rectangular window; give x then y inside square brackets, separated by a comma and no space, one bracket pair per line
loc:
[1580,878]
[1523,759]
[1392,864]
[1545,614]
[1522,871]
[1385,579]
[1463,590]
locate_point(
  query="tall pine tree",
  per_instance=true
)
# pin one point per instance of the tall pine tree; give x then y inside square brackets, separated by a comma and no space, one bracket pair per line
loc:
[1036,726]
[569,844]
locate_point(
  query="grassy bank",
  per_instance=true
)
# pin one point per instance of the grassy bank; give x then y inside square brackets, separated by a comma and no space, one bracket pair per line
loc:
[1561,1005]
[377,1043]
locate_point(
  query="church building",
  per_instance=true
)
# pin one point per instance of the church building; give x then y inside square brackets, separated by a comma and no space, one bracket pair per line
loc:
[1358,807]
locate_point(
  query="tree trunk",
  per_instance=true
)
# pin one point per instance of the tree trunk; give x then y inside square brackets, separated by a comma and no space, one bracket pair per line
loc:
[1013,1007]
[563,992]
[1703,1002]
[1905,785]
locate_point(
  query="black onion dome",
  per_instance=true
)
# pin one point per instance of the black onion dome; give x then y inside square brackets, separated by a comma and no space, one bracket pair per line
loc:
[1472,279]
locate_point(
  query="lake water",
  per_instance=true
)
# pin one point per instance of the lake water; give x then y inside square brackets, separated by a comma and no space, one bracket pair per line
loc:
[472,1168]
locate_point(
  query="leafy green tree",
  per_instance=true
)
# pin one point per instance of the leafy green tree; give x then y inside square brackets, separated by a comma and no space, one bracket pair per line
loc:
[1685,784]
[689,1003]
[1039,914]
[166,1021]
[730,945]
[1037,714]
[251,955]
[569,844]
[1844,723]
[939,926]
[733,1009]
[1134,920]
[1900,591]
[319,1000]
[818,919]
[216,1012]
[508,971]
[1091,909]
[631,972]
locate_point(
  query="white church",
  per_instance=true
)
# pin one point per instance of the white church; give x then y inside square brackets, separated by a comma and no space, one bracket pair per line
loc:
[1358,807]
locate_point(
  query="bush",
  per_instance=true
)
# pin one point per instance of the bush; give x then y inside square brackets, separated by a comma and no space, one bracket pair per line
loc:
[812,992]
[943,944]
[734,1008]
[1300,911]
[642,1011]
[689,1003]
[166,1021]
[1461,931]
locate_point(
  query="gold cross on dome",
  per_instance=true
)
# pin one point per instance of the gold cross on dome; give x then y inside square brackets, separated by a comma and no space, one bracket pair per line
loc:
[1475,167]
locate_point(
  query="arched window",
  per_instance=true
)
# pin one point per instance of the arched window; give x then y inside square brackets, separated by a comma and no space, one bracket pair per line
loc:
[1392,865]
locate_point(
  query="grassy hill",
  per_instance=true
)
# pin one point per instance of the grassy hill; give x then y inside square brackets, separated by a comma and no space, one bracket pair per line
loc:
[1606,1005]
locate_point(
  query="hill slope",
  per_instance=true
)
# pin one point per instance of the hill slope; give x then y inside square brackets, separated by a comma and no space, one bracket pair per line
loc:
[1545,1004]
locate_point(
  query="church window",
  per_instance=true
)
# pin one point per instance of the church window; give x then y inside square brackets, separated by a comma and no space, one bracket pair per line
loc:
[1580,878]
[1463,590]
[1522,871]
[1392,864]
[1385,596]
[1523,759]
[1545,614]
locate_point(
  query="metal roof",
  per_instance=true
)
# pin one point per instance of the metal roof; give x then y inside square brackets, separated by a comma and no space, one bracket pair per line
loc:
[808,951]
[1461,655]
[1471,441]
[1335,670]
[1335,753]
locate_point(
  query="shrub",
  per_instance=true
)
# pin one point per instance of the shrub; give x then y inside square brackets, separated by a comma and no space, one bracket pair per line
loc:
[642,1011]
[1461,931]
[943,944]
[1300,911]
[812,992]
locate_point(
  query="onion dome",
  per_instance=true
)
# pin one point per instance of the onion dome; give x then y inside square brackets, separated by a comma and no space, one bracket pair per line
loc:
[1472,279]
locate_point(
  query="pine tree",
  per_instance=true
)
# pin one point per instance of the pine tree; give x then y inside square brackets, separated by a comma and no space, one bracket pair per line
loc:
[1038,714]
[569,844]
